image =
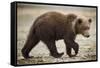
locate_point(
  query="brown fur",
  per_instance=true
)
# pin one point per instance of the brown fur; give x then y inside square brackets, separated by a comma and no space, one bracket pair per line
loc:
[48,28]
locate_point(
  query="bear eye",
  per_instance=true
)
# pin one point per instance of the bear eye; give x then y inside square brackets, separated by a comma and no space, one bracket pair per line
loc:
[90,20]
[79,21]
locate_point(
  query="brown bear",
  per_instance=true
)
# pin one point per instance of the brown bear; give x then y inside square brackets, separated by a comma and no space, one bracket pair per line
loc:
[53,26]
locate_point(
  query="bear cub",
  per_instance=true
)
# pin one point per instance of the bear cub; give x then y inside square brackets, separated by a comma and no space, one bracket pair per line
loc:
[53,26]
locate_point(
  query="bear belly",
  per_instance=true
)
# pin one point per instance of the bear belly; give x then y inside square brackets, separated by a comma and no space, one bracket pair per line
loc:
[59,36]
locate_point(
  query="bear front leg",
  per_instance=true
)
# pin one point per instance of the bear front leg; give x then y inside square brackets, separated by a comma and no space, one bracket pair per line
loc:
[53,49]
[76,48]
[69,45]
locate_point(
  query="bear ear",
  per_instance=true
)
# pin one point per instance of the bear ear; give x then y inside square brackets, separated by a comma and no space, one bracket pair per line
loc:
[90,20]
[79,21]
[71,17]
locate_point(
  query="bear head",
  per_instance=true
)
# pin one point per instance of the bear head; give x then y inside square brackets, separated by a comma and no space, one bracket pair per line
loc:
[82,25]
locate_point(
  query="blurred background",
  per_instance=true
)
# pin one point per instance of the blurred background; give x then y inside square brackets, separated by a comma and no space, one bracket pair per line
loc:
[27,13]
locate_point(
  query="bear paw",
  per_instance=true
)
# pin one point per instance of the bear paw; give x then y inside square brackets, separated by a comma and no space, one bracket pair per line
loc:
[57,55]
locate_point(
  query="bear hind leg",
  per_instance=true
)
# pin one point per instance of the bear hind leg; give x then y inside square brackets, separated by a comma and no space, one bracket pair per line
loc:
[30,43]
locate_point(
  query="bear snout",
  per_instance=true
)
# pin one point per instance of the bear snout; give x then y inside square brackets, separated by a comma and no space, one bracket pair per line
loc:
[87,36]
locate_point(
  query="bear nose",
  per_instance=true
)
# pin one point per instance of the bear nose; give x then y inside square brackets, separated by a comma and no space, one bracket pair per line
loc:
[88,36]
